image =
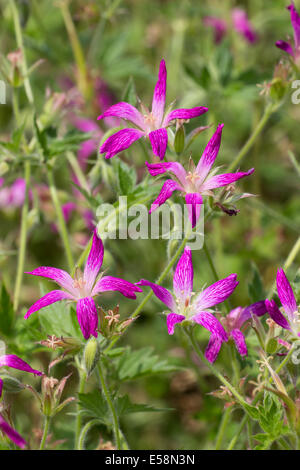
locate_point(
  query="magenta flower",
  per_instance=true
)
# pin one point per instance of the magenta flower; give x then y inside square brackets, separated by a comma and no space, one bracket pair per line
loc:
[218,25]
[198,309]
[12,196]
[88,147]
[152,123]
[286,46]
[242,25]
[233,323]
[13,435]
[83,288]
[15,362]
[289,321]
[195,183]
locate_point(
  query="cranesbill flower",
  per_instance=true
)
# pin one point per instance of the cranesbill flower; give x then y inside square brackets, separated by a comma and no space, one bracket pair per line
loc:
[152,123]
[289,321]
[242,25]
[184,304]
[196,182]
[83,288]
[286,46]
[13,435]
[15,362]
[233,324]
[218,25]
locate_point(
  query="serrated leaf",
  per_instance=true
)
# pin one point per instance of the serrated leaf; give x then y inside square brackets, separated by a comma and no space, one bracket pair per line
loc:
[94,405]
[124,406]
[126,178]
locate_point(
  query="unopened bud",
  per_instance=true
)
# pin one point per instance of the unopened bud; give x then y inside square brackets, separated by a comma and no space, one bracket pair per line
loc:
[179,140]
[91,355]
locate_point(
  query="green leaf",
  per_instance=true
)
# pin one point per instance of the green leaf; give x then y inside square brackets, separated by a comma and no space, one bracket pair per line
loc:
[124,406]
[129,94]
[6,312]
[126,178]
[93,405]
[256,288]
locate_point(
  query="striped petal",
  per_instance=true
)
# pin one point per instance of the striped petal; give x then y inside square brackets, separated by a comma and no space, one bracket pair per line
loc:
[61,277]
[285,46]
[13,435]
[210,153]
[258,309]
[159,142]
[184,275]
[48,299]
[87,316]
[286,294]
[276,314]
[184,113]
[159,95]
[94,262]
[15,362]
[172,320]
[213,348]
[120,141]
[176,168]
[223,180]
[125,111]
[211,323]
[160,292]
[216,293]
[240,342]
[295,20]
[194,202]
[166,192]
[109,283]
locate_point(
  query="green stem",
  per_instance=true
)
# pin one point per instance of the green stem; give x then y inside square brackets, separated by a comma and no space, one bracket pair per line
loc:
[23,238]
[269,110]
[60,218]
[45,433]
[111,406]
[221,432]
[82,379]
[210,262]
[78,171]
[84,432]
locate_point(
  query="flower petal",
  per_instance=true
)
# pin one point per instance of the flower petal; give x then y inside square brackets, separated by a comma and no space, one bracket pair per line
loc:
[258,309]
[109,283]
[13,435]
[120,141]
[159,95]
[94,262]
[61,277]
[285,46]
[15,362]
[210,153]
[172,167]
[184,275]
[218,25]
[223,180]
[295,20]
[159,142]
[286,294]
[211,323]
[184,113]
[87,316]
[194,202]
[165,193]
[213,348]
[1,386]
[172,319]
[240,342]
[125,111]
[242,25]
[276,314]
[160,292]
[216,293]
[48,299]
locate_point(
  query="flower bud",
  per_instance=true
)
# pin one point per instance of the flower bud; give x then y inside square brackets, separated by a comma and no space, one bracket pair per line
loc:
[179,140]
[91,355]
[272,346]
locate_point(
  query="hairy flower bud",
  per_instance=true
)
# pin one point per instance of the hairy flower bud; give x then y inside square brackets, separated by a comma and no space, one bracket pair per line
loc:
[91,355]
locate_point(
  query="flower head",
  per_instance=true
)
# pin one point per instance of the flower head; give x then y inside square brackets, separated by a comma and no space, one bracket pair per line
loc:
[218,25]
[13,435]
[289,321]
[242,25]
[12,196]
[286,46]
[184,304]
[15,362]
[152,124]
[83,288]
[196,182]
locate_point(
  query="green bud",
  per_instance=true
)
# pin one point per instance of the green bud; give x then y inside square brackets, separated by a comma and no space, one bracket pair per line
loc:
[91,355]
[11,384]
[271,346]
[277,89]
[179,140]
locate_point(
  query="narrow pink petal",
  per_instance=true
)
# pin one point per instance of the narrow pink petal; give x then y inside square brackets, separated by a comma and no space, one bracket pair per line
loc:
[216,293]
[48,299]
[286,294]
[240,342]
[242,25]
[159,142]
[125,111]
[184,276]
[213,348]
[194,202]
[61,277]
[176,168]
[15,362]
[172,320]
[85,125]
[109,283]
[159,95]
[13,435]
[218,25]
[184,113]
[1,386]
[295,20]
[285,46]
[276,314]
[166,192]
[94,262]
[210,153]
[87,316]
[211,323]
[223,180]
[120,141]
[258,309]
[160,292]
[86,149]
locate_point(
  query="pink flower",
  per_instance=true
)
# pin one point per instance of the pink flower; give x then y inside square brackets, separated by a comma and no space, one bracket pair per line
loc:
[12,196]
[12,434]
[286,46]
[242,25]
[197,182]
[15,362]
[183,306]
[83,288]
[152,123]
[219,26]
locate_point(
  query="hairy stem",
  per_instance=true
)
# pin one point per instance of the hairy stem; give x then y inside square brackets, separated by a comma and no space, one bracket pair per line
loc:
[222,428]
[45,433]
[84,432]
[82,379]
